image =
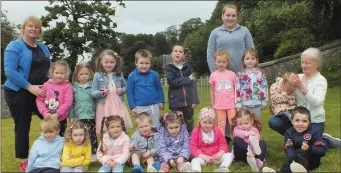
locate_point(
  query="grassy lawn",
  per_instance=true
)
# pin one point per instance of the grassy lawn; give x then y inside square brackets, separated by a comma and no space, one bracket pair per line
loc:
[275,156]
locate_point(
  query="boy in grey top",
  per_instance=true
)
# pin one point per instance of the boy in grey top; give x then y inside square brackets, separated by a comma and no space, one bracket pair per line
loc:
[144,144]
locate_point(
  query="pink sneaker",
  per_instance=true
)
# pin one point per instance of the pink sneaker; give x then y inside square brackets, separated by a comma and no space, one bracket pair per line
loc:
[23,165]
[259,163]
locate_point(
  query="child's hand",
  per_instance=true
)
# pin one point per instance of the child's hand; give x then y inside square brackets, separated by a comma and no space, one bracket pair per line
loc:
[119,91]
[132,145]
[194,105]
[70,156]
[105,92]
[180,160]
[247,134]
[251,133]
[161,106]
[191,77]
[305,146]
[249,152]
[207,158]
[262,107]
[134,112]
[111,164]
[47,115]
[146,154]
[218,156]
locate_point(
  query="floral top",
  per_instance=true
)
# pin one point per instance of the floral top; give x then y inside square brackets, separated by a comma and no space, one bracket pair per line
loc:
[251,88]
[280,99]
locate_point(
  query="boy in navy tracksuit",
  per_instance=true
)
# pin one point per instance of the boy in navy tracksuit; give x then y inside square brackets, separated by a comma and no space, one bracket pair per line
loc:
[144,88]
[304,146]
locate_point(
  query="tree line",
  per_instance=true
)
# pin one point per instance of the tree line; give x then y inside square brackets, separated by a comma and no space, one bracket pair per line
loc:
[279,28]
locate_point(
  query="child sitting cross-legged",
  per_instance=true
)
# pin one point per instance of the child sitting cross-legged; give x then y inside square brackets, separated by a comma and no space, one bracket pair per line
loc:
[47,149]
[143,144]
[208,145]
[304,146]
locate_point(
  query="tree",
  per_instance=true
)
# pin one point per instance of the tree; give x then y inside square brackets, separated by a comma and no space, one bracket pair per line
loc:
[8,33]
[188,27]
[171,34]
[87,26]
[160,44]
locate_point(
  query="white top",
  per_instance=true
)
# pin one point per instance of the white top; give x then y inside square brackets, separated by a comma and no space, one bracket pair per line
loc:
[314,99]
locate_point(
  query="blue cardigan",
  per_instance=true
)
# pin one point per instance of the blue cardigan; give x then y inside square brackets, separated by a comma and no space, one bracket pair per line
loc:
[18,59]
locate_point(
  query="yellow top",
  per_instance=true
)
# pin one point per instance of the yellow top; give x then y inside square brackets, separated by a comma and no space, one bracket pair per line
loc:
[74,155]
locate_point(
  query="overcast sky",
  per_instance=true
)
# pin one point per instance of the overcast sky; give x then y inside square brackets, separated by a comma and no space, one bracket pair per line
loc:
[138,16]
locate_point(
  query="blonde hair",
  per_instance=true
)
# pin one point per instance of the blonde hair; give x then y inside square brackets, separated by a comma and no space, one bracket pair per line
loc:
[251,51]
[143,116]
[286,76]
[77,124]
[49,124]
[60,63]
[226,6]
[142,53]
[315,53]
[36,22]
[224,53]
[99,66]
[78,68]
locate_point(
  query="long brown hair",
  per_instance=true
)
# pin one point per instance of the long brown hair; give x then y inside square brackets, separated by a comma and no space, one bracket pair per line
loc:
[246,113]
[77,124]
[99,66]
[78,68]
[106,122]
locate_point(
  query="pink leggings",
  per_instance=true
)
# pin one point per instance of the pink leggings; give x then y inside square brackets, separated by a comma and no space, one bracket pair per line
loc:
[221,116]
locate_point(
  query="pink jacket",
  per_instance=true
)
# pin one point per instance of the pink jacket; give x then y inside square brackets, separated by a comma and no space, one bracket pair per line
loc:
[197,145]
[116,150]
[57,99]
[237,132]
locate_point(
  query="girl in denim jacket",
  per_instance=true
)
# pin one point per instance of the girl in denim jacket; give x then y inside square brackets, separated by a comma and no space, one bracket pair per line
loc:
[108,88]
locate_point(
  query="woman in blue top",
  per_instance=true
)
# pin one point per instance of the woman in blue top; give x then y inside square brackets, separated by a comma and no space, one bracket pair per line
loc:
[231,37]
[27,62]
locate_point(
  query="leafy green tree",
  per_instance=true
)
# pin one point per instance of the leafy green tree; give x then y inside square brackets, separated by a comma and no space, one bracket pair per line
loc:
[8,33]
[87,26]
[171,34]
[188,27]
[160,44]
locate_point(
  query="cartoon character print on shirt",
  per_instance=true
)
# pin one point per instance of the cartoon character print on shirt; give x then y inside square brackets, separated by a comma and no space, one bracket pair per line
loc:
[51,101]
[224,85]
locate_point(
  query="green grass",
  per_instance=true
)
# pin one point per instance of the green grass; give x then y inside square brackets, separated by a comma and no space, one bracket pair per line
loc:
[275,156]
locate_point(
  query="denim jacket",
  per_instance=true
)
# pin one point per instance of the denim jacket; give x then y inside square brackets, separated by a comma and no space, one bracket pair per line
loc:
[101,80]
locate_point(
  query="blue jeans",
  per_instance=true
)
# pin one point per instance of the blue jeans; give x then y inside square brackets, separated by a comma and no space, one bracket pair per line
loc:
[280,123]
[105,168]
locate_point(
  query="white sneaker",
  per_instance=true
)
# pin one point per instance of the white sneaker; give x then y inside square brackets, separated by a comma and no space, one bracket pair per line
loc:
[252,162]
[222,169]
[255,145]
[267,169]
[187,167]
[296,167]
[151,169]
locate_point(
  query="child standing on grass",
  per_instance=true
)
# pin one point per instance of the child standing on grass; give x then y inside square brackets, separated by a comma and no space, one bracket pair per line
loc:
[77,148]
[304,146]
[143,145]
[108,88]
[57,99]
[208,145]
[251,87]
[47,149]
[222,91]
[113,151]
[247,146]
[144,89]
[84,106]
[173,143]
[182,92]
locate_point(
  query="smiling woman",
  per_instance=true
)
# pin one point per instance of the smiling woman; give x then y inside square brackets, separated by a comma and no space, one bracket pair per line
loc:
[27,62]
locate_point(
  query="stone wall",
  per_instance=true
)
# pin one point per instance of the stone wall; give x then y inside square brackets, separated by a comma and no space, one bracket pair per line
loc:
[276,68]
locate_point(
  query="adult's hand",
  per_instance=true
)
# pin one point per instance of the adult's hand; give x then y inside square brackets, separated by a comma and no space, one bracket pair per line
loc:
[295,81]
[36,90]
